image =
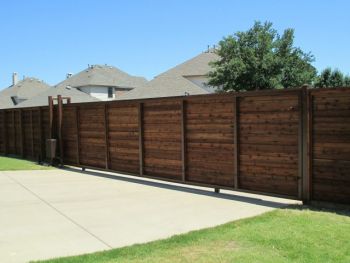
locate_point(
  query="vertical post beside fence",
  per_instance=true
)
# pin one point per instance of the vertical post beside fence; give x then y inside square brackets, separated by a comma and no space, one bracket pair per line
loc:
[236,142]
[140,123]
[59,126]
[77,127]
[41,144]
[183,139]
[300,142]
[32,133]
[304,176]
[307,186]
[106,124]
[5,134]
[50,116]
[14,132]
[21,129]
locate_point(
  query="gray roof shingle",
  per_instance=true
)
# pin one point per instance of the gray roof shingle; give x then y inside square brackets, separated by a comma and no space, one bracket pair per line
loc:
[95,75]
[42,98]
[23,90]
[174,82]
[103,75]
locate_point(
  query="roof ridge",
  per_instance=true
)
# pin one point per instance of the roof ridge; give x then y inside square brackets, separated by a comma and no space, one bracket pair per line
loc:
[179,66]
[102,75]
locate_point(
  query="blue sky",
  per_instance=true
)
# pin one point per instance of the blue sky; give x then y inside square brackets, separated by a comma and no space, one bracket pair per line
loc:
[47,39]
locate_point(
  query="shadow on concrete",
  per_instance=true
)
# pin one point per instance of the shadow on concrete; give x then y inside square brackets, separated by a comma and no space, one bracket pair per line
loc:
[185,188]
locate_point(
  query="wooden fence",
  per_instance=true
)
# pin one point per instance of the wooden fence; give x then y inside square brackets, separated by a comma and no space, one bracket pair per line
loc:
[294,143]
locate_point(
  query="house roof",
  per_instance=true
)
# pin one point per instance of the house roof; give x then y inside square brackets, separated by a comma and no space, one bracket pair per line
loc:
[197,66]
[103,75]
[174,82]
[24,89]
[42,98]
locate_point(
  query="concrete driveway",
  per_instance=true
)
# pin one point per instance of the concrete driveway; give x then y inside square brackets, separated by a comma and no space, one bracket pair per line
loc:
[46,214]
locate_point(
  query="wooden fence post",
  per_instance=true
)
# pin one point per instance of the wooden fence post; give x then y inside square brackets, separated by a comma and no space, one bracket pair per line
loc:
[301,122]
[14,132]
[140,122]
[308,145]
[183,139]
[106,124]
[236,142]
[50,116]
[32,132]
[21,128]
[60,113]
[77,127]
[304,129]
[40,123]
[5,132]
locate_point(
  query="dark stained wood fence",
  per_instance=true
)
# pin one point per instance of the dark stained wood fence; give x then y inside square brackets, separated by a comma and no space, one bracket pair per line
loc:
[269,143]
[294,143]
[23,132]
[329,112]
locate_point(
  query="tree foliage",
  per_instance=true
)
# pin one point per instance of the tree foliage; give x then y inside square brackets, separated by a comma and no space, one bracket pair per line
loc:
[261,59]
[332,78]
[347,81]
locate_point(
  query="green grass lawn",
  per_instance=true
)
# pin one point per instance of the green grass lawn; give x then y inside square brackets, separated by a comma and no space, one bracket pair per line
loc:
[14,164]
[285,235]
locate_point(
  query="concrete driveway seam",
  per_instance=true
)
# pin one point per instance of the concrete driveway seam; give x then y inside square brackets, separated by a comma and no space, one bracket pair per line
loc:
[59,212]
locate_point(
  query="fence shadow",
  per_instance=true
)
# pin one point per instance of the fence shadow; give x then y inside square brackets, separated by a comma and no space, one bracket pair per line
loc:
[339,209]
[183,188]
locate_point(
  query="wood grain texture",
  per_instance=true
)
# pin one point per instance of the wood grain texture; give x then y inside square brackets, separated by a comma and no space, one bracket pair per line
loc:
[162,126]
[92,136]
[269,128]
[210,141]
[331,145]
[123,138]
[69,134]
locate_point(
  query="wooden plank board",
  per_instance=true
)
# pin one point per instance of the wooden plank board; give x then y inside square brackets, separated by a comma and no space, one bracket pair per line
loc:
[330,151]
[268,141]
[162,127]
[210,142]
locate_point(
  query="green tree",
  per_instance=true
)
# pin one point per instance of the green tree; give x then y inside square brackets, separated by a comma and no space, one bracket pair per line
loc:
[347,81]
[261,59]
[337,78]
[332,78]
[324,79]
